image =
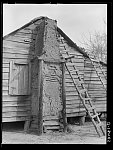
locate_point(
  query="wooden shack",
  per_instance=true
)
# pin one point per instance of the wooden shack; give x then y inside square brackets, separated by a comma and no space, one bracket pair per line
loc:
[34,79]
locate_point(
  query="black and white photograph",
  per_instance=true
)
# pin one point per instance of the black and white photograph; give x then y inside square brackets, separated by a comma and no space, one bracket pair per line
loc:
[54,74]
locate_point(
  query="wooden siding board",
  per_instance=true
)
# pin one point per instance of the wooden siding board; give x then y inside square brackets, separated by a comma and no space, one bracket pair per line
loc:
[5,82]
[12,44]
[74,105]
[69,89]
[16,98]
[20,51]
[74,114]
[13,119]
[92,79]
[5,65]
[5,76]
[15,108]
[5,70]
[5,92]
[14,55]
[25,31]
[71,93]
[10,48]
[95,82]
[99,98]
[51,122]
[5,88]
[25,40]
[20,36]
[75,110]
[14,114]
[72,97]
[73,102]
[16,103]
[17,61]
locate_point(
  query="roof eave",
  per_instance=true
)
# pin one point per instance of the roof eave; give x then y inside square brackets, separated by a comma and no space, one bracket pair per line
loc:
[72,44]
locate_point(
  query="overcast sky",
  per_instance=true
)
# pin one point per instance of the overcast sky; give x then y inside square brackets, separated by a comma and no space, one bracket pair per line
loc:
[75,20]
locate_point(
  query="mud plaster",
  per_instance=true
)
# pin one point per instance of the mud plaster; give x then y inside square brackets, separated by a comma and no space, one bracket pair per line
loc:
[51,45]
[52,74]
[52,103]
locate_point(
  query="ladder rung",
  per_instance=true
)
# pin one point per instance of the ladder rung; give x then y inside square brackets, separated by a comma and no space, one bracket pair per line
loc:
[82,91]
[94,116]
[91,108]
[86,98]
[99,124]
[69,57]
[94,60]
[72,71]
[79,82]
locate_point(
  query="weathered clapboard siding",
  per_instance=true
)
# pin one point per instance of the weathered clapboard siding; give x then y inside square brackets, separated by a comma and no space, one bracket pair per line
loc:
[16,48]
[13,44]
[21,38]
[94,85]
[14,114]
[13,119]
[74,107]
[5,76]
[14,107]
[13,55]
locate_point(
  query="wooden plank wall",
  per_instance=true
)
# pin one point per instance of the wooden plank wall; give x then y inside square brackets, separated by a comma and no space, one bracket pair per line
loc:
[16,47]
[94,85]
[74,106]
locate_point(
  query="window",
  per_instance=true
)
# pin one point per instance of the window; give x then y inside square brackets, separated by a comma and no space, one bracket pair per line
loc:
[19,82]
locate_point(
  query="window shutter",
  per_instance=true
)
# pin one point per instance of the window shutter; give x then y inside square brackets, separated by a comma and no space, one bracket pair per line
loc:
[19,79]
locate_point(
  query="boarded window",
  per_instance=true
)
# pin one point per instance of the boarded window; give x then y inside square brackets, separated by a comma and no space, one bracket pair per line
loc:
[19,83]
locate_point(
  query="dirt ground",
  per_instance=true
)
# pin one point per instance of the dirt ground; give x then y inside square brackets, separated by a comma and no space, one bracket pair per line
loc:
[85,134]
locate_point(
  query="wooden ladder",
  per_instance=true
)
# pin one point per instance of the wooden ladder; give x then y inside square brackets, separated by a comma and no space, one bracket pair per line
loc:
[86,100]
[99,66]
